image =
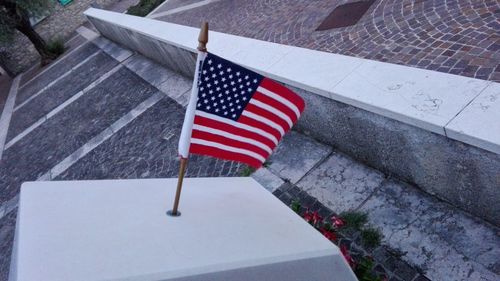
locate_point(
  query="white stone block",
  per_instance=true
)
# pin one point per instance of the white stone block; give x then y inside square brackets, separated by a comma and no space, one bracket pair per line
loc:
[230,229]
[423,98]
[479,123]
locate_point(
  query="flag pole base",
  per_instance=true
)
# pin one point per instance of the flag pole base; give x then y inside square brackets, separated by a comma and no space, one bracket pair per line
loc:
[172,214]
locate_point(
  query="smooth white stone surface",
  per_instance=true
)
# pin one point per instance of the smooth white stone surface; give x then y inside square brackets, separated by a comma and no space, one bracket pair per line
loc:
[259,55]
[423,98]
[118,230]
[479,123]
[314,71]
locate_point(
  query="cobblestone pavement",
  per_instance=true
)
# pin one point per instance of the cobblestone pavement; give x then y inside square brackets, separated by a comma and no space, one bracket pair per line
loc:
[455,36]
[173,4]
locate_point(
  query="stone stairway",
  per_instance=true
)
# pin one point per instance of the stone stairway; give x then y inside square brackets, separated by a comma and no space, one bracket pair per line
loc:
[102,112]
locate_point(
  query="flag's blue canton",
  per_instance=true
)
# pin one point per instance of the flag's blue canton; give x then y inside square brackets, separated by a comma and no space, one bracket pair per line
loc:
[225,88]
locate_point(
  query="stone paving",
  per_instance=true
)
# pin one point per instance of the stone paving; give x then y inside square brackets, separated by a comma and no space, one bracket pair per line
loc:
[422,237]
[457,36]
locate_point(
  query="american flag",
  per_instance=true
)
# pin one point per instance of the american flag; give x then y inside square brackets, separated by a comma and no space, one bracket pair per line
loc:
[240,115]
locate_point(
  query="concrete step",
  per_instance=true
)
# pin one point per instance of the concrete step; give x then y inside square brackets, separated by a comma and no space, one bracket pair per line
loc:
[440,240]
[55,70]
[30,109]
[60,135]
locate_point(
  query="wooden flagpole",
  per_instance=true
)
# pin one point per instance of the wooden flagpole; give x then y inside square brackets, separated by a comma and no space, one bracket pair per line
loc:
[202,48]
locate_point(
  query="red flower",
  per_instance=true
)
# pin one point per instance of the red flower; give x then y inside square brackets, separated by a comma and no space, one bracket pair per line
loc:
[347,256]
[330,235]
[308,216]
[337,222]
[316,218]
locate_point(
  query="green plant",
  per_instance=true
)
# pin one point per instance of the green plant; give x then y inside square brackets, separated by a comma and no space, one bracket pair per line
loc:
[144,7]
[364,270]
[247,171]
[296,206]
[362,266]
[56,46]
[354,220]
[371,237]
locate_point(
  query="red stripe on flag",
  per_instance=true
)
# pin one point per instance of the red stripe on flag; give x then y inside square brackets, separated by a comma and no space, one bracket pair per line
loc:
[207,122]
[224,154]
[229,142]
[269,115]
[276,104]
[257,124]
[284,92]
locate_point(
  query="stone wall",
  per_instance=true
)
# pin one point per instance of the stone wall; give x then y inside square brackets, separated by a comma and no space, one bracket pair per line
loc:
[19,54]
[461,174]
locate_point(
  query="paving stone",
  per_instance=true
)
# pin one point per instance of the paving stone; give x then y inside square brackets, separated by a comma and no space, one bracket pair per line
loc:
[267,179]
[340,183]
[173,4]
[72,127]
[429,235]
[422,34]
[7,229]
[148,70]
[56,70]
[296,155]
[115,51]
[65,88]
[139,150]
[169,82]
[421,278]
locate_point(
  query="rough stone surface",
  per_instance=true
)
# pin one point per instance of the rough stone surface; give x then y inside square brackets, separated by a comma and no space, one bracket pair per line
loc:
[267,179]
[18,54]
[457,37]
[461,174]
[173,4]
[173,57]
[65,88]
[433,236]
[341,183]
[65,64]
[117,52]
[296,155]
[62,134]
[387,263]
[7,229]
[147,148]
[175,86]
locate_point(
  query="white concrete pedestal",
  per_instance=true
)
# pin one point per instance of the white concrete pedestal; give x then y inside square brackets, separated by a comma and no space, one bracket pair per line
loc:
[230,229]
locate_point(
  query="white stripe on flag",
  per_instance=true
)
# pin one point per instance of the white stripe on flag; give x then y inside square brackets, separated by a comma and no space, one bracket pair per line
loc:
[232,136]
[238,125]
[187,125]
[264,120]
[228,148]
[281,99]
[273,110]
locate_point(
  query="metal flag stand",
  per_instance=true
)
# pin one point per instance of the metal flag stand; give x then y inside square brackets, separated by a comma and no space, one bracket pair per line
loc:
[189,118]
